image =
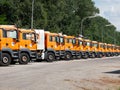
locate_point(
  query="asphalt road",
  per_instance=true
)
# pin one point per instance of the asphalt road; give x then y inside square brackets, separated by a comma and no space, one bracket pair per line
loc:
[84,74]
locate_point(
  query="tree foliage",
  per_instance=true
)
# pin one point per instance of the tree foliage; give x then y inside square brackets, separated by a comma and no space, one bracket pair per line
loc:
[58,16]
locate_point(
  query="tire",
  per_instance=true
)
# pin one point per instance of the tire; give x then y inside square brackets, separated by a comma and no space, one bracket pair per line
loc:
[93,55]
[100,55]
[50,57]
[24,58]
[86,56]
[79,57]
[68,56]
[6,59]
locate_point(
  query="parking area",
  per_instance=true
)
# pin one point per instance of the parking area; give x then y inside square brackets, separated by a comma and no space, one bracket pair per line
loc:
[83,74]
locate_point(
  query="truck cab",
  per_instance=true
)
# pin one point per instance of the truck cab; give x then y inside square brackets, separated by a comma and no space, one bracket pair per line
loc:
[87,48]
[9,44]
[27,46]
[94,48]
[79,49]
[52,45]
[70,47]
[100,49]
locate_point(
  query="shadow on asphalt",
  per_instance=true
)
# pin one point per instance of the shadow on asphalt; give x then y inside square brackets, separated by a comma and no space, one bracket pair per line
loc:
[114,72]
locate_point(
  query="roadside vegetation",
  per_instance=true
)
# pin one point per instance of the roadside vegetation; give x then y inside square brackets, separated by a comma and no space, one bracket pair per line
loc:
[59,16]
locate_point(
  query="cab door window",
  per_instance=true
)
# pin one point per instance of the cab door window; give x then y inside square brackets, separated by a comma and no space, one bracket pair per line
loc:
[10,34]
[28,36]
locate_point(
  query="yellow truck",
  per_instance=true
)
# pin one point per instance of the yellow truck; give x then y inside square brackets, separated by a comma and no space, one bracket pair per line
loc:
[27,46]
[9,44]
[80,48]
[52,45]
[101,51]
[87,48]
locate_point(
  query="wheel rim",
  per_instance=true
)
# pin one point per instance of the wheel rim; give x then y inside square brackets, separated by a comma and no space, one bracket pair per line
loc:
[51,57]
[24,58]
[5,59]
[68,56]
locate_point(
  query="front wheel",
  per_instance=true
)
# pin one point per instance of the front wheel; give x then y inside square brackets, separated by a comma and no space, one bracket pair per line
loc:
[93,55]
[6,59]
[68,56]
[50,57]
[24,58]
[100,55]
[86,56]
[79,56]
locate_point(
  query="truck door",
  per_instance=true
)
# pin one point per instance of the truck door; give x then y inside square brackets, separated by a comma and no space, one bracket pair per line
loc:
[9,39]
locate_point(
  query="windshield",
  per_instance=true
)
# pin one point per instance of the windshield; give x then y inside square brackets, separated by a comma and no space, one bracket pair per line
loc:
[61,39]
[95,44]
[88,43]
[10,33]
[57,39]
[101,45]
[80,42]
[74,41]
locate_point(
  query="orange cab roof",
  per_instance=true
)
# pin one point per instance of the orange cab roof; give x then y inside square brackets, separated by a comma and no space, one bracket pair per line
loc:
[8,27]
[26,30]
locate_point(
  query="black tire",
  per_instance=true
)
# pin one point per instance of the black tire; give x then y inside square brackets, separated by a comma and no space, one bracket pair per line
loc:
[24,58]
[80,56]
[6,59]
[50,57]
[68,56]
[86,56]
[93,55]
[100,55]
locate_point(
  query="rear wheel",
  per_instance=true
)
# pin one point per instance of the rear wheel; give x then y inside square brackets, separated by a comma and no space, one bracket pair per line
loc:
[50,57]
[24,58]
[6,59]
[68,56]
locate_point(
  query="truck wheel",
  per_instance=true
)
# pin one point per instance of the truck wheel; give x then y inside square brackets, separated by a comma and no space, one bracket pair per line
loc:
[79,56]
[100,55]
[6,59]
[24,58]
[93,55]
[50,57]
[68,56]
[86,56]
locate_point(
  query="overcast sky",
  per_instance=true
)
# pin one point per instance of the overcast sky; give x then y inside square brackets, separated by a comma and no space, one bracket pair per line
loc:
[110,9]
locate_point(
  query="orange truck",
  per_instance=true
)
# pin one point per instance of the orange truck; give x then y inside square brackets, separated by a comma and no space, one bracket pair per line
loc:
[70,47]
[52,45]
[87,48]
[27,46]
[118,50]
[101,52]
[9,44]
[80,48]
[94,49]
